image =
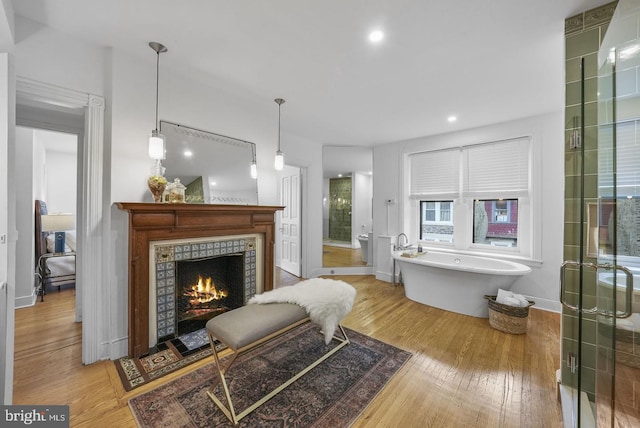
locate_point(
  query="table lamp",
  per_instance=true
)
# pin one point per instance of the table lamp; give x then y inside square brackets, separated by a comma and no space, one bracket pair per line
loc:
[58,224]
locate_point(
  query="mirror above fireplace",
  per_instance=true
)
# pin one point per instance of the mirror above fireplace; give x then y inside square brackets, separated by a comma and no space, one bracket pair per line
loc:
[214,168]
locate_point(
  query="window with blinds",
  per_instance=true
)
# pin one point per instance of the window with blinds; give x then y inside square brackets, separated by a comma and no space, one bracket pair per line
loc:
[499,169]
[494,175]
[435,175]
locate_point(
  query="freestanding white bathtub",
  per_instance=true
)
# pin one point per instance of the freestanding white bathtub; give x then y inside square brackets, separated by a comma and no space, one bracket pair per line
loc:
[454,282]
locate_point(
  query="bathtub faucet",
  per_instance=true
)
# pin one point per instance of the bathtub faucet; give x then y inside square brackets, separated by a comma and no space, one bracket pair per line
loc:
[406,242]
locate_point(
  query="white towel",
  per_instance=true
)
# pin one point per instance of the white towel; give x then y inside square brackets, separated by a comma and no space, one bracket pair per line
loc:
[511,301]
[502,295]
[505,297]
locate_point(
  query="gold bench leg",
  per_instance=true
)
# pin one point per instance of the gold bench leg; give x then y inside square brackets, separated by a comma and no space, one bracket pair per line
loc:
[229,411]
[221,370]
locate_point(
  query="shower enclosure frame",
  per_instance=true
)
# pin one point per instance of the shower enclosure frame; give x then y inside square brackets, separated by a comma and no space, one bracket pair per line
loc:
[593,307]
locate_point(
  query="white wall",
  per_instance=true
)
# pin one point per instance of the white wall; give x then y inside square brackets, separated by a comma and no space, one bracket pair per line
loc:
[547,133]
[60,177]
[50,56]
[25,247]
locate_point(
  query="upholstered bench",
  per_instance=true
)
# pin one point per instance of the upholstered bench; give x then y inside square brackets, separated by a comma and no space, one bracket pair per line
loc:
[249,326]
[253,323]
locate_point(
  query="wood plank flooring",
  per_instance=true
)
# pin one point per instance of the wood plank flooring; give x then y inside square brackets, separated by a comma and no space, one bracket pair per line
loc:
[462,373]
[333,256]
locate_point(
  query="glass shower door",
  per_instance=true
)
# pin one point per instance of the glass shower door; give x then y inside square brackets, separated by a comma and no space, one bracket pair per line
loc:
[601,309]
[618,233]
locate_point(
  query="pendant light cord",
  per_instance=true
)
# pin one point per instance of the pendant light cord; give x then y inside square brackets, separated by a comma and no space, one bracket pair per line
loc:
[279,105]
[279,101]
[157,85]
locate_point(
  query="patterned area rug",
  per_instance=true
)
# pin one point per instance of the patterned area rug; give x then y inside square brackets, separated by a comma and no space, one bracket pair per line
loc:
[165,358]
[333,394]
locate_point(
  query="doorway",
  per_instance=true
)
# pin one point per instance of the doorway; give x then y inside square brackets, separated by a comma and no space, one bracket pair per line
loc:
[347,208]
[49,139]
[54,172]
[34,98]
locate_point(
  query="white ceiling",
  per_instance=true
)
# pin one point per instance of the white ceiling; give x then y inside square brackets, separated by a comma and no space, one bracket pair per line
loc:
[484,61]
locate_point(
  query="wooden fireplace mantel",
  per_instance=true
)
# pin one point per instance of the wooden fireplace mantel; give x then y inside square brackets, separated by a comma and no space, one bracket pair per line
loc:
[158,222]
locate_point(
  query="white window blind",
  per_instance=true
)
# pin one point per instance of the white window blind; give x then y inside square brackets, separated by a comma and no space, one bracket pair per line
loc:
[435,175]
[498,169]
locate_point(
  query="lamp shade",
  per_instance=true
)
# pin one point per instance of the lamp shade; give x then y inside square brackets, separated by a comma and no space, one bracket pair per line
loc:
[58,222]
[156,145]
[254,170]
[279,161]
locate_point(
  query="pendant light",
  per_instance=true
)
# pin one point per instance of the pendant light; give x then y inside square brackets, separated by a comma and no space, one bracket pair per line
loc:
[254,166]
[156,140]
[279,161]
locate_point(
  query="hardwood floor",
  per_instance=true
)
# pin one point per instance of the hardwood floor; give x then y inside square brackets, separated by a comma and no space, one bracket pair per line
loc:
[333,256]
[462,373]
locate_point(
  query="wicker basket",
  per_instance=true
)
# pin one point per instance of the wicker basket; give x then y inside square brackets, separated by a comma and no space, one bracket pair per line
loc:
[510,319]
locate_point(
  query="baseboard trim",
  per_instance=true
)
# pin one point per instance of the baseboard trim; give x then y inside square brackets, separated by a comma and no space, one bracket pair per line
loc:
[25,301]
[546,304]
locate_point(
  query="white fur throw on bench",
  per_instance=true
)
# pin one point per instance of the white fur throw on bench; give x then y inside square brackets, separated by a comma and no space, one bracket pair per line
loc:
[327,301]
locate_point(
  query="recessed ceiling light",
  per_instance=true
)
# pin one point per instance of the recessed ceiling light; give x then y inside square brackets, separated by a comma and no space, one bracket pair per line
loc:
[213,183]
[376,36]
[452,119]
[188,153]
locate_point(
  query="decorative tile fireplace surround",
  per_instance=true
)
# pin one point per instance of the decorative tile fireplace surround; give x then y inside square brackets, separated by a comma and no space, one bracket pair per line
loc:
[195,227]
[193,280]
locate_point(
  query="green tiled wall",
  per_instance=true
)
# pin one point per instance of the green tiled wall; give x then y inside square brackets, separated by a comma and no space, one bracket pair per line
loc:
[583,36]
[340,209]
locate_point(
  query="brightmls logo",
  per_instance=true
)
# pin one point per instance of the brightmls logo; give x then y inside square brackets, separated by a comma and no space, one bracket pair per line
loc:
[36,416]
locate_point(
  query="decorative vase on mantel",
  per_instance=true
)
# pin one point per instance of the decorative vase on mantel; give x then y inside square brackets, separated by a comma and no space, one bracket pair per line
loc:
[157,183]
[176,192]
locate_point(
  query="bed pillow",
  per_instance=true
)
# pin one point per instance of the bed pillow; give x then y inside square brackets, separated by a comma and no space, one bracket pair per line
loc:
[70,240]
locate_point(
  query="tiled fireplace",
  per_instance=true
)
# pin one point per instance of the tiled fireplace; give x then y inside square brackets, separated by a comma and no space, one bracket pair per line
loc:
[192,281]
[191,233]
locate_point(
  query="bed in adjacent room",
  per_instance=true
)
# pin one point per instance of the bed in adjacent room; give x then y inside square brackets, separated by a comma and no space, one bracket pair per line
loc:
[53,268]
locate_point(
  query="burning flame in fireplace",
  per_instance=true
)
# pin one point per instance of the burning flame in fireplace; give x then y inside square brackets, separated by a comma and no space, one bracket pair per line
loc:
[205,291]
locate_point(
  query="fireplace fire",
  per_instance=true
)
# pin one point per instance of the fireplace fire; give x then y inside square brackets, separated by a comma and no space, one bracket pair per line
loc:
[202,293]
[200,300]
